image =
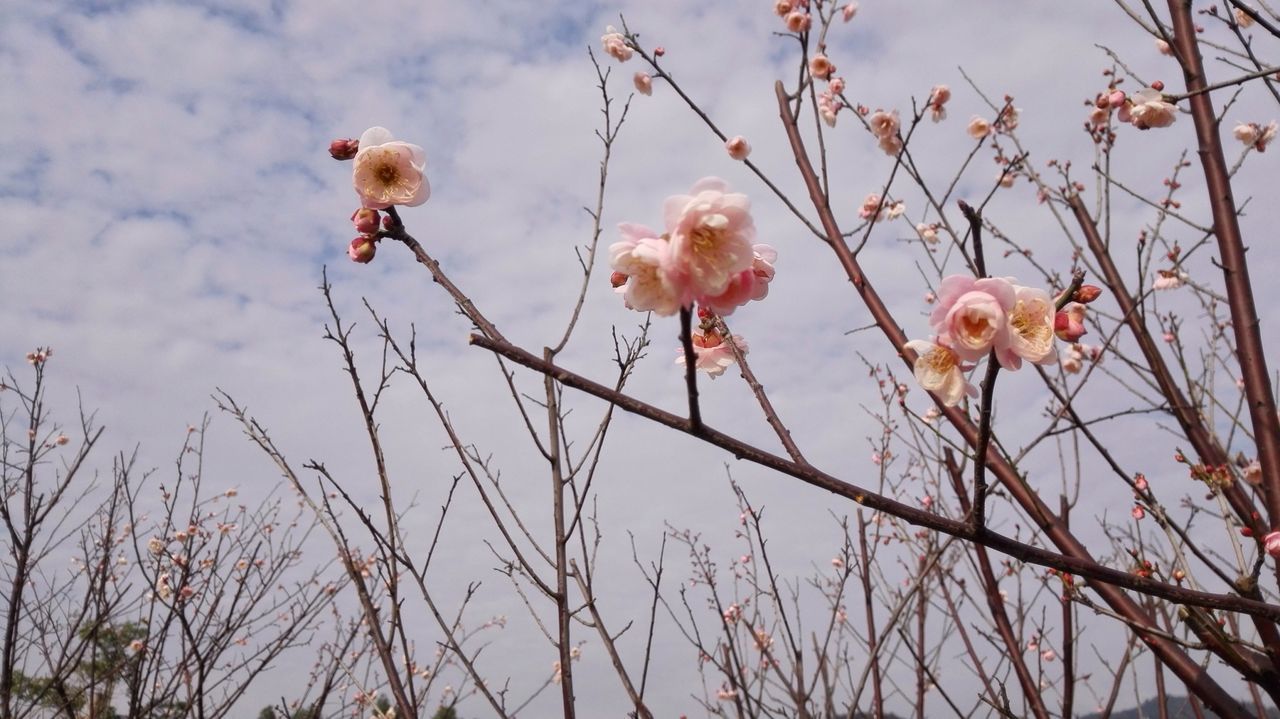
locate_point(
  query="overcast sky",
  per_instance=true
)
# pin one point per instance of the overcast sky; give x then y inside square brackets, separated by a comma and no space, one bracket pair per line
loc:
[169,205]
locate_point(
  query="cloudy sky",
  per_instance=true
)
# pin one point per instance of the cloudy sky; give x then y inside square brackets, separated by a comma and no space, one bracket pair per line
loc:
[170,205]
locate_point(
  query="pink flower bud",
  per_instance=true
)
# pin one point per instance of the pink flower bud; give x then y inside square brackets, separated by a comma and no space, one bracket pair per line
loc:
[1271,543]
[737,147]
[366,220]
[1158,86]
[618,279]
[1087,294]
[1140,482]
[797,21]
[362,249]
[1068,323]
[659,51]
[1138,512]
[1116,98]
[344,149]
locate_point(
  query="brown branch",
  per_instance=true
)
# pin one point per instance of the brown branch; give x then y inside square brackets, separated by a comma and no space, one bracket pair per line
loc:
[1085,567]
[1235,268]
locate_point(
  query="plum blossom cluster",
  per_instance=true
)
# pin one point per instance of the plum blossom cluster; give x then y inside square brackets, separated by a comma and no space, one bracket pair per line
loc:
[885,125]
[707,256]
[386,172]
[1253,135]
[973,318]
[1143,109]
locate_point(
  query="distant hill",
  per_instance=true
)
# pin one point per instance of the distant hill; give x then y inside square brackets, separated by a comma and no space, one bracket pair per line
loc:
[1178,708]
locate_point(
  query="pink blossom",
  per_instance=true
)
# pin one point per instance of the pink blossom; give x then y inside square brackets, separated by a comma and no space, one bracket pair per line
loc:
[926,501]
[136,646]
[1163,47]
[1008,120]
[971,315]
[1243,19]
[1005,179]
[836,85]
[928,233]
[1031,325]
[732,613]
[937,369]
[1138,512]
[1140,483]
[737,147]
[1048,655]
[884,123]
[725,694]
[820,66]
[387,172]
[1098,117]
[978,127]
[711,233]
[643,83]
[1147,109]
[849,10]
[750,284]
[782,7]
[797,21]
[362,249]
[1068,323]
[1271,543]
[713,354]
[837,562]
[1252,473]
[938,97]
[1168,279]
[872,208]
[615,44]
[640,257]
[829,106]
[1254,134]
[895,209]
[930,415]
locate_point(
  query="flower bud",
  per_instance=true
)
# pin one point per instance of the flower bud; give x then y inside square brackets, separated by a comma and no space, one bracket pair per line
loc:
[618,279]
[1087,294]
[1271,543]
[737,147]
[1068,323]
[659,51]
[344,149]
[366,220]
[362,249]
[1158,86]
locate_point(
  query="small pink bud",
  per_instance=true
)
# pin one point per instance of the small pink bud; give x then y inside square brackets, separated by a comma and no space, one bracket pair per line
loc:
[737,147]
[1271,543]
[797,21]
[366,220]
[659,51]
[1116,98]
[1068,323]
[1087,294]
[1140,483]
[1158,86]
[362,249]
[618,279]
[1138,512]
[344,149]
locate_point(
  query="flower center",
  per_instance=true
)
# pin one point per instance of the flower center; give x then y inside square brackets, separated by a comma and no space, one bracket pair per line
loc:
[1024,323]
[940,360]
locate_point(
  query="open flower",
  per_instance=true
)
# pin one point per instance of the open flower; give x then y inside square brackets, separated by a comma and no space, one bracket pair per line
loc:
[643,82]
[713,355]
[749,284]
[640,257]
[1031,325]
[938,97]
[937,369]
[711,233]
[978,127]
[615,44]
[1147,109]
[971,315]
[1256,135]
[388,172]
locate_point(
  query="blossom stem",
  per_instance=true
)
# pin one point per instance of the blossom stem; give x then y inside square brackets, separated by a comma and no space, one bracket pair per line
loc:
[690,368]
